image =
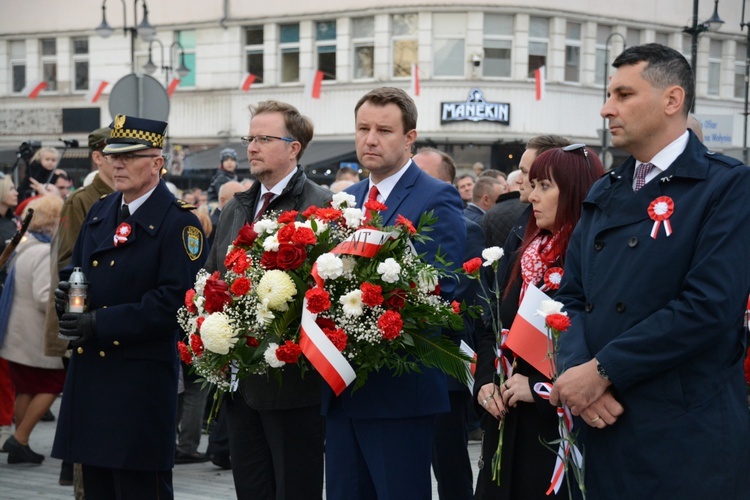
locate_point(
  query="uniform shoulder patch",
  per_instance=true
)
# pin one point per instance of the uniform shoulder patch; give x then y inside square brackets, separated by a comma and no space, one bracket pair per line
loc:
[192,240]
[185,205]
[727,161]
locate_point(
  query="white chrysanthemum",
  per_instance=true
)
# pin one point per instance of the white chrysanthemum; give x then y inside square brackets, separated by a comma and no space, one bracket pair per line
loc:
[330,266]
[427,279]
[547,307]
[352,303]
[217,333]
[491,255]
[271,244]
[349,265]
[389,270]
[353,217]
[278,288]
[342,198]
[265,226]
[264,315]
[270,356]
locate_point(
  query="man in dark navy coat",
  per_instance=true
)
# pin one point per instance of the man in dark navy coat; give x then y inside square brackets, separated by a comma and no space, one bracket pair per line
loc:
[656,283]
[140,250]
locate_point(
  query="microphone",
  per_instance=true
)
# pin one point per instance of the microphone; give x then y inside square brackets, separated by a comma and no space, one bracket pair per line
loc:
[71,144]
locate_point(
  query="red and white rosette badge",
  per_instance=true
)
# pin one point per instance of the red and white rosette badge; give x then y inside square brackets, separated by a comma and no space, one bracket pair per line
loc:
[552,278]
[121,233]
[660,210]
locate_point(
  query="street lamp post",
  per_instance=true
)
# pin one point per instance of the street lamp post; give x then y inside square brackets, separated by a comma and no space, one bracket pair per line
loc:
[712,24]
[144,29]
[182,70]
[605,131]
[744,25]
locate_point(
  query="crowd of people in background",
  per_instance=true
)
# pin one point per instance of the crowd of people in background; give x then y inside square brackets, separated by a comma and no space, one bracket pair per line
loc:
[642,361]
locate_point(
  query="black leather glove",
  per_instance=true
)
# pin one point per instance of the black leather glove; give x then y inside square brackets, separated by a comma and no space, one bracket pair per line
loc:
[61,298]
[81,326]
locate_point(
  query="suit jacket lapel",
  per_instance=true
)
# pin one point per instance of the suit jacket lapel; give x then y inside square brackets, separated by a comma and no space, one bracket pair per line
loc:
[399,193]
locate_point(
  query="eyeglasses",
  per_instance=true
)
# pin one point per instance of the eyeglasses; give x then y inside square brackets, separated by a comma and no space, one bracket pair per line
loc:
[126,158]
[263,139]
[576,147]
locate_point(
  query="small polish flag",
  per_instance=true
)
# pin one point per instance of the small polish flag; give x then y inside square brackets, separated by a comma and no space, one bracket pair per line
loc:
[415,79]
[470,367]
[172,86]
[96,90]
[528,336]
[314,84]
[247,81]
[539,78]
[33,89]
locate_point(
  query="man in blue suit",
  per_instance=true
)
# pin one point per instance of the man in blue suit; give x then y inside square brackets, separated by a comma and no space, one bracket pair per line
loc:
[656,283]
[379,438]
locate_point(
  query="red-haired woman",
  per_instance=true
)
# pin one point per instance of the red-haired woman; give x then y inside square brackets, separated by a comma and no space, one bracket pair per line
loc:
[560,179]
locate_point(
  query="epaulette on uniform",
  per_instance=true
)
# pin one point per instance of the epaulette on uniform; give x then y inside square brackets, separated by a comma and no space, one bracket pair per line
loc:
[727,161]
[185,205]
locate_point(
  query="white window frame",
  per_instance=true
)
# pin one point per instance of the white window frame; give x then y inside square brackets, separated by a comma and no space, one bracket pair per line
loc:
[450,38]
[255,48]
[16,62]
[396,39]
[573,46]
[363,41]
[80,58]
[537,40]
[45,60]
[713,86]
[494,37]
[288,48]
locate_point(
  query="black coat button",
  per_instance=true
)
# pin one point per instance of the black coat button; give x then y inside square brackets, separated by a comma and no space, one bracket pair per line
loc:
[620,307]
[589,307]
[598,245]
[633,242]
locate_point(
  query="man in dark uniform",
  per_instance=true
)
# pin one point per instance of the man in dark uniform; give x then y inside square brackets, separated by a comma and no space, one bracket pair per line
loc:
[275,428]
[140,250]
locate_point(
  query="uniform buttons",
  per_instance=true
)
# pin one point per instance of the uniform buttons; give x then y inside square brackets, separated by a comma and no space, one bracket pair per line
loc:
[95,263]
[102,353]
[112,264]
[633,242]
[598,245]
[620,307]
[79,350]
[116,342]
[589,307]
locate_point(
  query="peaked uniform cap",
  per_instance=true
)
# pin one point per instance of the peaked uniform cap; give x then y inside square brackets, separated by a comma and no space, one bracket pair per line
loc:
[130,133]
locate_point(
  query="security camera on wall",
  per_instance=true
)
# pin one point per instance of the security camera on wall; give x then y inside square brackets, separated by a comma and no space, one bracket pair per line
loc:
[476,60]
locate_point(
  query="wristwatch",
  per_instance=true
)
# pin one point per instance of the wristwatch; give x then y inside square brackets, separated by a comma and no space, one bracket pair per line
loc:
[601,372]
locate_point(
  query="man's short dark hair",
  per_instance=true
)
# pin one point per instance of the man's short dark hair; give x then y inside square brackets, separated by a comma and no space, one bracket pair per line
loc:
[485,185]
[343,171]
[300,127]
[392,95]
[542,143]
[665,67]
[447,165]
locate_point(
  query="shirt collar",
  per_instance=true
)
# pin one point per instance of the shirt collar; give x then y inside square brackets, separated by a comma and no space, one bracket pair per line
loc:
[386,185]
[136,204]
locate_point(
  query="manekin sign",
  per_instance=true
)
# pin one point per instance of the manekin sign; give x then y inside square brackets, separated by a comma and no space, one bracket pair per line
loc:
[475,109]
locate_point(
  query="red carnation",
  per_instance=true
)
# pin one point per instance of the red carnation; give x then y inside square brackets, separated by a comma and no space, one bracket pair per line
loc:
[241,265]
[375,205]
[235,255]
[290,256]
[251,341]
[397,300]
[473,265]
[199,322]
[189,296]
[390,324]
[240,286]
[318,300]
[403,221]
[285,233]
[325,323]
[287,217]
[184,353]
[196,344]
[557,321]
[309,211]
[372,295]
[304,236]
[217,294]
[268,260]
[456,307]
[245,237]
[328,214]
[337,336]
[289,352]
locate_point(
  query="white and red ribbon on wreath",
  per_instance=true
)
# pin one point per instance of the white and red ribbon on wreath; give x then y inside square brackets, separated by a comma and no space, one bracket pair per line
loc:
[660,210]
[121,233]
[564,427]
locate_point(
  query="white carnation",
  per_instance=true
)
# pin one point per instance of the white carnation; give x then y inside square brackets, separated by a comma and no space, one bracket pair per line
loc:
[491,255]
[270,356]
[353,217]
[330,266]
[547,307]
[352,303]
[271,244]
[389,270]
[217,333]
[349,265]
[342,198]
[263,314]
[265,226]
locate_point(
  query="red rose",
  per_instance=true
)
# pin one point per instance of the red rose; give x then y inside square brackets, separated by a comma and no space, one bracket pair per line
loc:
[199,322]
[235,255]
[557,321]
[285,233]
[290,256]
[329,214]
[189,296]
[318,300]
[456,307]
[184,353]
[217,294]
[324,323]
[309,211]
[372,295]
[245,237]
[337,336]
[251,341]
[240,286]
[403,221]
[304,236]
[268,260]
[289,352]
[196,344]
[473,265]
[397,300]
[287,217]
[390,324]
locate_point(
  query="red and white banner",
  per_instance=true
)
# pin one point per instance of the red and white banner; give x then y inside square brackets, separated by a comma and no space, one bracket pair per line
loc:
[172,86]
[539,79]
[314,84]
[363,243]
[247,82]
[528,336]
[32,89]
[96,90]
[415,80]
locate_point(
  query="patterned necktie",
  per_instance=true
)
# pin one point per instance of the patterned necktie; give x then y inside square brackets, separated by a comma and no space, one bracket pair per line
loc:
[373,196]
[124,214]
[266,201]
[640,174]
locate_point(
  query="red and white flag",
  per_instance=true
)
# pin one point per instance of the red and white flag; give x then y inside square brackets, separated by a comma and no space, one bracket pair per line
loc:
[528,337]
[471,367]
[539,78]
[314,84]
[415,79]
[96,90]
[172,86]
[247,82]
[32,89]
